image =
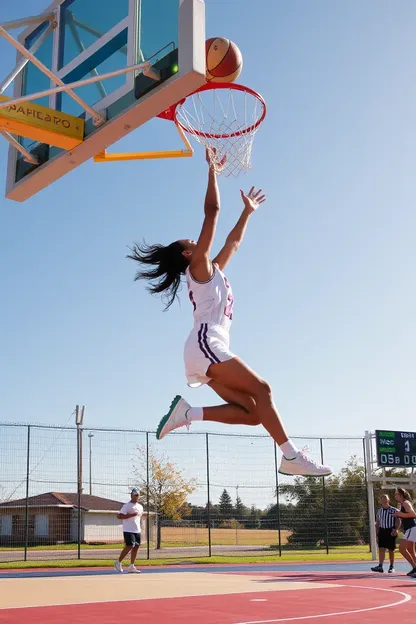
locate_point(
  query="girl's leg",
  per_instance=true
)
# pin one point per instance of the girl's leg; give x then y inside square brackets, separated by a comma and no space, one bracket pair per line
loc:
[407,550]
[239,408]
[412,552]
[234,374]
[234,381]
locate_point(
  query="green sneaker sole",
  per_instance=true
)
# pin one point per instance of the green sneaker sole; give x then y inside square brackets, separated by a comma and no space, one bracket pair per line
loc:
[168,415]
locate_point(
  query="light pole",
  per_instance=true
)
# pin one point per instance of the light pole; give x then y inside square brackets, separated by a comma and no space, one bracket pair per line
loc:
[90,436]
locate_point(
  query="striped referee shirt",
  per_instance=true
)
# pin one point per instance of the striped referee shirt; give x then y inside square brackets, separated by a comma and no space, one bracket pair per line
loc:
[385,517]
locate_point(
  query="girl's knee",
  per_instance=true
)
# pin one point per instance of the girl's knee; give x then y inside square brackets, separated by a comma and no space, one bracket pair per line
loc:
[263,391]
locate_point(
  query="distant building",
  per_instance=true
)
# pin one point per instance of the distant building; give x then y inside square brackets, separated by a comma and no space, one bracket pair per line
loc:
[53,519]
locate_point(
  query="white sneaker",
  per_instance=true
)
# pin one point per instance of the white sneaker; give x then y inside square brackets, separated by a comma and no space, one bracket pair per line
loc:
[302,465]
[176,417]
[132,569]
[118,566]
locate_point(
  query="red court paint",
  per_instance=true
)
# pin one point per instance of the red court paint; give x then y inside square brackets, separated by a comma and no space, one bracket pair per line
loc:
[306,605]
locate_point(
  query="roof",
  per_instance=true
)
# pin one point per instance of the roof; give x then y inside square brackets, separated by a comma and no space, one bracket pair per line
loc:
[66,499]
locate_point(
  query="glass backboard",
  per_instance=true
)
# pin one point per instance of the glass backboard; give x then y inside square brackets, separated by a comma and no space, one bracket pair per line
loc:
[87,39]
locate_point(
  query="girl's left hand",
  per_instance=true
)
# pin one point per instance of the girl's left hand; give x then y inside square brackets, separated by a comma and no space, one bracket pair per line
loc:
[253,199]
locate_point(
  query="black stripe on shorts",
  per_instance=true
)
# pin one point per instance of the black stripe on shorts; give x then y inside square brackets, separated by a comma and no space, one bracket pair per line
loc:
[208,348]
[202,347]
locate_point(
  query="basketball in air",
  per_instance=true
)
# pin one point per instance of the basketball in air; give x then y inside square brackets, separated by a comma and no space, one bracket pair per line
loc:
[224,60]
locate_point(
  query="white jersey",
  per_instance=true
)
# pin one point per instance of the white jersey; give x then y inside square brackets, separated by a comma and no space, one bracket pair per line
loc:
[132,525]
[212,300]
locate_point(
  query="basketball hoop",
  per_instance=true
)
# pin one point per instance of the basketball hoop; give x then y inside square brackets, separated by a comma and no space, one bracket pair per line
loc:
[223,117]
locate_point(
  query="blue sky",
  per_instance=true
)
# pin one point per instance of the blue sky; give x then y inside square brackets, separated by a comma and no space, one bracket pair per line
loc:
[324,282]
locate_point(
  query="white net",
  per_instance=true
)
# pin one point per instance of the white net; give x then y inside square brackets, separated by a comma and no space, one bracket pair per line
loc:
[224,120]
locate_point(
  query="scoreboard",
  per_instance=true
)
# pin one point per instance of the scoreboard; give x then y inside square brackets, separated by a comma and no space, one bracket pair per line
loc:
[396,448]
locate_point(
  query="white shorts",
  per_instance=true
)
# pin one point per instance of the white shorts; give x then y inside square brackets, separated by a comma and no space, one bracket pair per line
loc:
[206,345]
[410,534]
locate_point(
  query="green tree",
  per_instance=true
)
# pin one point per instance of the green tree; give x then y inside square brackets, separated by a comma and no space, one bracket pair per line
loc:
[168,489]
[240,510]
[346,518]
[254,518]
[226,507]
[272,518]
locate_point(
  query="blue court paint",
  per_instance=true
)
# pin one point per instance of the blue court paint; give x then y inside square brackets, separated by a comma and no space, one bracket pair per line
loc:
[358,567]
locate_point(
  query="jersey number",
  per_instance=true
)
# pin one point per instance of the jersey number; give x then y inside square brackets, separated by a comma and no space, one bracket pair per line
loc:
[191,297]
[230,302]
[229,307]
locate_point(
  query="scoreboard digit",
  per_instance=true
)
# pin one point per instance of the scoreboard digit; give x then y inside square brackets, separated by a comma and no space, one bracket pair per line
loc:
[396,449]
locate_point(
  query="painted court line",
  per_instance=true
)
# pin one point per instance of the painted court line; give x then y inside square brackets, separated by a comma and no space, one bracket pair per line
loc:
[139,598]
[406,598]
[258,599]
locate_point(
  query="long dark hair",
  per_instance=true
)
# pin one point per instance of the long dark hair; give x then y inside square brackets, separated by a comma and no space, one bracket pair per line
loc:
[404,494]
[169,264]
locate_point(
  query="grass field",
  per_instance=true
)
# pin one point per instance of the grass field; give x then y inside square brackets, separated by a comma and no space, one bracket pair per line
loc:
[186,536]
[340,554]
[221,537]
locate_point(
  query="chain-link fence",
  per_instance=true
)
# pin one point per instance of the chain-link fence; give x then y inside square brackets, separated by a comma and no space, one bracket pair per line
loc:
[203,494]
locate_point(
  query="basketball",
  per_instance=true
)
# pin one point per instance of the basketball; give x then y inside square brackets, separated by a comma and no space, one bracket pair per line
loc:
[224,60]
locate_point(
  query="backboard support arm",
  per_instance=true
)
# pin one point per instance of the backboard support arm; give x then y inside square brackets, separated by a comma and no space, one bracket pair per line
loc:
[188,152]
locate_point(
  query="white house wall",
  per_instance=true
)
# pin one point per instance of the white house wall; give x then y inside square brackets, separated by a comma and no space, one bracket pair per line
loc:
[102,527]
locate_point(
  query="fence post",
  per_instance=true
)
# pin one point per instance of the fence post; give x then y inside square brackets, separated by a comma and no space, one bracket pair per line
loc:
[79,479]
[209,496]
[366,498]
[324,500]
[277,499]
[147,497]
[370,495]
[27,492]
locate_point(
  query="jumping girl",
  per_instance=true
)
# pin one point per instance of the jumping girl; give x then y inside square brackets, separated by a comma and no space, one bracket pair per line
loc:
[208,359]
[408,517]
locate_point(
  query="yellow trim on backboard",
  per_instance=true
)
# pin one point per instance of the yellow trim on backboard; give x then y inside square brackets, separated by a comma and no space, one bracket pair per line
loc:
[125,156]
[42,124]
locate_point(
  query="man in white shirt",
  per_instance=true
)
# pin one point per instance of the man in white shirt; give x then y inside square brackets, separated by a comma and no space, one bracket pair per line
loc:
[131,515]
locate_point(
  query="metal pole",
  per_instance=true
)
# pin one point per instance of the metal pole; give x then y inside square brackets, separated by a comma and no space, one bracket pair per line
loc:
[236,525]
[147,497]
[79,490]
[138,56]
[93,31]
[81,48]
[90,436]
[28,157]
[27,492]
[97,117]
[25,21]
[324,501]
[276,470]
[24,61]
[209,498]
[368,509]
[146,67]
[370,495]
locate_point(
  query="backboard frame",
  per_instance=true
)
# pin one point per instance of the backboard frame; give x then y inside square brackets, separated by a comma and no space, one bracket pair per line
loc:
[191,75]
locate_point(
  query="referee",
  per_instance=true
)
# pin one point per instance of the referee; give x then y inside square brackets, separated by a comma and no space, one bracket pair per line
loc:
[386,526]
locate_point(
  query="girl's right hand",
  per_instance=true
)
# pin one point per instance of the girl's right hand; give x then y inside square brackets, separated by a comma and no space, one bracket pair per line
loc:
[212,160]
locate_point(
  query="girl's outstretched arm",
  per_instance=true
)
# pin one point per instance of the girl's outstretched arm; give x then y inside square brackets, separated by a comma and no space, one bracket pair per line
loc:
[201,265]
[251,202]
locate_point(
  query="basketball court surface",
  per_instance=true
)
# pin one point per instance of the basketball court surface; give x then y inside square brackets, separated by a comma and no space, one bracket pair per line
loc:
[87,74]
[238,594]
